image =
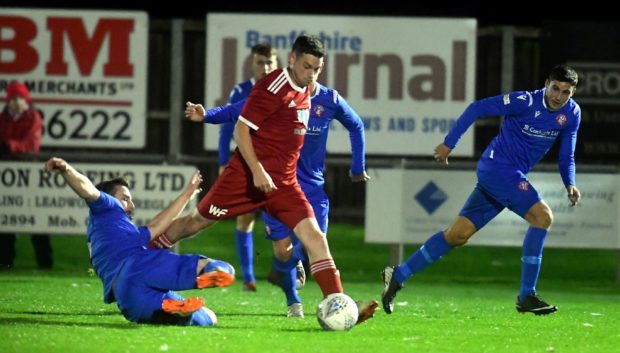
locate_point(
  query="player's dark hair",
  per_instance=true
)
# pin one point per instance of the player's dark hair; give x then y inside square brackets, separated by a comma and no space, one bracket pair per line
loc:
[564,73]
[309,44]
[109,186]
[264,49]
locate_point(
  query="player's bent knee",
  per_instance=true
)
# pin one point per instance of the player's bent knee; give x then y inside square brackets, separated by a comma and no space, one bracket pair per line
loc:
[457,239]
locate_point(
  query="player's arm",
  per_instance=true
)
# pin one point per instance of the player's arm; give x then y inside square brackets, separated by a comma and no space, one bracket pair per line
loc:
[163,219]
[353,123]
[262,180]
[506,104]
[566,160]
[82,186]
[217,115]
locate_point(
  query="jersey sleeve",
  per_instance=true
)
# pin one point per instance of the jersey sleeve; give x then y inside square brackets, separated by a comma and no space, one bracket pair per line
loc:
[353,123]
[236,94]
[145,234]
[568,141]
[507,104]
[224,114]
[260,104]
[103,203]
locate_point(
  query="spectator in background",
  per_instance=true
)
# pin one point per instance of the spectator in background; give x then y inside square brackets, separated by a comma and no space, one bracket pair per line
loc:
[21,128]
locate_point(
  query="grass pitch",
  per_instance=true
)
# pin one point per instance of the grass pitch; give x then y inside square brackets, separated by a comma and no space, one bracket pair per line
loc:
[464,303]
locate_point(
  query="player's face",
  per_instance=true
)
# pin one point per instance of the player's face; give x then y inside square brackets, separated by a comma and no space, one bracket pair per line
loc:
[558,93]
[123,195]
[262,65]
[305,69]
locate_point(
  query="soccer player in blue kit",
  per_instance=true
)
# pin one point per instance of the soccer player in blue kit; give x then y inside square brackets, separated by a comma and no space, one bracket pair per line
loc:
[141,279]
[264,61]
[326,105]
[533,121]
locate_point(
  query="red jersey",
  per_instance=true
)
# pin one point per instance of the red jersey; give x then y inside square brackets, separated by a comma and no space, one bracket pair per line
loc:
[277,111]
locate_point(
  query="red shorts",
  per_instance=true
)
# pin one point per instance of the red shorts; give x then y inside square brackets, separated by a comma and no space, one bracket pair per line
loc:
[234,194]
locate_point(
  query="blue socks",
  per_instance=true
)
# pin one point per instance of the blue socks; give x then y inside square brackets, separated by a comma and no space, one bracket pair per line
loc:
[288,276]
[245,251]
[531,260]
[433,249]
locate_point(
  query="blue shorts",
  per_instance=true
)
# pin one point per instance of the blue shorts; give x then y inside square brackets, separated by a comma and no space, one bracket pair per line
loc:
[145,280]
[276,230]
[499,186]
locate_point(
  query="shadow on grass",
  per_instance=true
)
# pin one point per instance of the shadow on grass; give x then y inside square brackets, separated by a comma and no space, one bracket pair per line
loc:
[250,314]
[78,313]
[38,322]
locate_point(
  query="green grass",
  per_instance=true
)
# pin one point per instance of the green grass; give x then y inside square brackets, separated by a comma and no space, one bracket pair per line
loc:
[464,303]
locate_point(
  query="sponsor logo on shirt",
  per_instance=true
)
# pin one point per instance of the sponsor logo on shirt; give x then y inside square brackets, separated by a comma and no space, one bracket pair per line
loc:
[522,97]
[537,114]
[216,211]
[524,185]
[532,131]
[561,119]
[299,131]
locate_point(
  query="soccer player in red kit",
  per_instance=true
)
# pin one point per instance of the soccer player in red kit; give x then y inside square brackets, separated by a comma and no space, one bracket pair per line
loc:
[262,172]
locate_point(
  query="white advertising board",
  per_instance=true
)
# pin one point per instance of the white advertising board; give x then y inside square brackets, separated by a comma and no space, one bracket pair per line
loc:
[35,201]
[86,71]
[408,206]
[408,78]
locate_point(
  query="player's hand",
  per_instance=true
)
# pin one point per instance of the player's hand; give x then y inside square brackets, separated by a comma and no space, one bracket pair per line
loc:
[194,112]
[442,152]
[262,181]
[574,195]
[359,177]
[193,186]
[56,165]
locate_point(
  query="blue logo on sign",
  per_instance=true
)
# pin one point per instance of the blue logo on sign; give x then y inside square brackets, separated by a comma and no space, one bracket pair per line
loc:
[431,197]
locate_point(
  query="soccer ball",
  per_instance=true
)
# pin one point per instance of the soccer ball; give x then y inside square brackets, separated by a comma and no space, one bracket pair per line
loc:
[337,312]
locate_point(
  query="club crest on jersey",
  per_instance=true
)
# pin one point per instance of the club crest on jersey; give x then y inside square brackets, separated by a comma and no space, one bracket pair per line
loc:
[561,119]
[319,110]
[524,185]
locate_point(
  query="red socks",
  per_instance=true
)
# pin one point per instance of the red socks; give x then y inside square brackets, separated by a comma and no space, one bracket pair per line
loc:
[327,276]
[161,242]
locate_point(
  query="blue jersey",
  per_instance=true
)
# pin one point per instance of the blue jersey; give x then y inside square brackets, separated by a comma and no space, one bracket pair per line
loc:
[239,93]
[528,131]
[325,105]
[113,238]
